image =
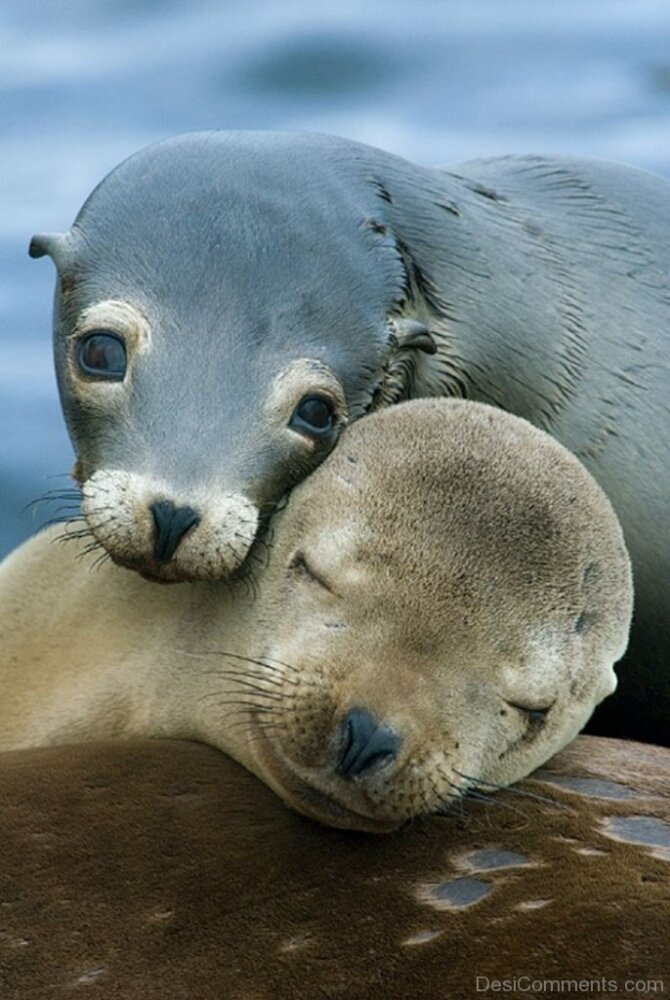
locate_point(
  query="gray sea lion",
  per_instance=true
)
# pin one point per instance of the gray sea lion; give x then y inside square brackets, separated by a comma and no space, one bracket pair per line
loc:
[442,606]
[228,301]
[161,869]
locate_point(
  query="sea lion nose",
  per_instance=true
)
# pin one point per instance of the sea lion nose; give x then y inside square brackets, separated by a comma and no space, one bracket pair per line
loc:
[365,745]
[171,523]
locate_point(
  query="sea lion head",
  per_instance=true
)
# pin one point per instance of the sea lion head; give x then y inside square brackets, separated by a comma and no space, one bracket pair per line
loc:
[446,597]
[226,303]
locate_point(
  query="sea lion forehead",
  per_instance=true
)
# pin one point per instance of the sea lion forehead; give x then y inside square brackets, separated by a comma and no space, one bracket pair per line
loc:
[252,213]
[457,482]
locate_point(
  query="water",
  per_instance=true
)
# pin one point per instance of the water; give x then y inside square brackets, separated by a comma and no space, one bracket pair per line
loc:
[83,85]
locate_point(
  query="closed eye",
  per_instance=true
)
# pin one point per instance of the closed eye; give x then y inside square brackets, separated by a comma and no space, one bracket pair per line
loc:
[300,567]
[536,717]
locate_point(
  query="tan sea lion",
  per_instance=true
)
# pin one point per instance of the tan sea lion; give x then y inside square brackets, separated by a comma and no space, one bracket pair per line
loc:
[442,606]
[163,871]
[228,301]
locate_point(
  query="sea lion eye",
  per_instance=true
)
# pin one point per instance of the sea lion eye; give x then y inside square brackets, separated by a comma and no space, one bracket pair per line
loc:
[313,415]
[535,716]
[299,567]
[102,354]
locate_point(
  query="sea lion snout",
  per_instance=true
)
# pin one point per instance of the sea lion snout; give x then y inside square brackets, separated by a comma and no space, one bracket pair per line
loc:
[168,534]
[365,746]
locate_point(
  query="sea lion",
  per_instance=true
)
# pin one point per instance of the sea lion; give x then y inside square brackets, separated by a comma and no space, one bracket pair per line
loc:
[161,869]
[228,301]
[441,609]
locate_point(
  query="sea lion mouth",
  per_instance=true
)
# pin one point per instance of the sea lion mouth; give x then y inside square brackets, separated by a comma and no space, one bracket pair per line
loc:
[153,571]
[155,577]
[305,797]
[319,806]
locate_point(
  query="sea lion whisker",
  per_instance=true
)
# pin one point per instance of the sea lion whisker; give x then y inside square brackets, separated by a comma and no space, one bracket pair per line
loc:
[263,680]
[96,563]
[287,666]
[261,539]
[257,689]
[245,659]
[513,790]
[466,793]
[62,515]
[279,723]
[73,536]
[236,555]
[248,539]
[249,706]
[102,558]
[36,510]
[57,494]
[472,793]
[255,724]
[443,774]
[267,663]
[243,576]
[72,510]
[88,549]
[242,706]
[492,800]
[447,807]
[65,519]
[265,725]
[478,796]
[34,505]
[243,673]
[254,557]
[256,736]
[447,811]
[101,508]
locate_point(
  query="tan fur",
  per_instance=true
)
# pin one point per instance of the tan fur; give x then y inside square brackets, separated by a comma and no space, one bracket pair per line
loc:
[448,567]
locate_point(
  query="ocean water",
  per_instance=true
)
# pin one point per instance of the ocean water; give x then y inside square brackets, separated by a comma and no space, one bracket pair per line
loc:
[84,84]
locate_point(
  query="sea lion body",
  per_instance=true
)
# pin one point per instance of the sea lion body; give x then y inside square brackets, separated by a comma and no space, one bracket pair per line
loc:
[169,849]
[247,272]
[441,609]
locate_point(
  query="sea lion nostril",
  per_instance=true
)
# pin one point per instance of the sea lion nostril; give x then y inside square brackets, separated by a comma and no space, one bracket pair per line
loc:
[365,744]
[172,523]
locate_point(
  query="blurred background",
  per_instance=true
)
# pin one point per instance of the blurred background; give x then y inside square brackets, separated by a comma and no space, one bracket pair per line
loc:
[84,83]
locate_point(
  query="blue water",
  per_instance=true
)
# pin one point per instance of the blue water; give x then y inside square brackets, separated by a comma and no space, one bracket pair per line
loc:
[83,84]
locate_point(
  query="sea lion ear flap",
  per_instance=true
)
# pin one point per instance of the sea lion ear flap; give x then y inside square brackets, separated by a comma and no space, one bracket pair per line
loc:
[46,244]
[412,333]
